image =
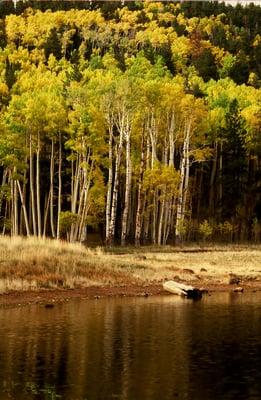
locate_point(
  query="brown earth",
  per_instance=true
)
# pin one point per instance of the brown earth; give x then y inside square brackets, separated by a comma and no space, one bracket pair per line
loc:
[51,297]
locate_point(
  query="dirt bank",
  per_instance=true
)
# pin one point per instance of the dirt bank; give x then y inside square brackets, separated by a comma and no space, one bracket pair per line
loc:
[49,297]
[19,298]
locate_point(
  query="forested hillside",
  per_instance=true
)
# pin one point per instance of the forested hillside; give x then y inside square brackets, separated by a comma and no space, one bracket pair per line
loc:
[140,121]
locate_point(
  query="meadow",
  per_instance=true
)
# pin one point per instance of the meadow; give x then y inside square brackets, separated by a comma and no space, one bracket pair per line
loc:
[34,264]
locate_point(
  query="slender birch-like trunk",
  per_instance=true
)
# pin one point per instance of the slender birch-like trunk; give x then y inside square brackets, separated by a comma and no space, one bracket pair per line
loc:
[75,182]
[167,220]
[140,200]
[12,207]
[183,187]
[16,208]
[171,129]
[85,203]
[59,186]
[38,195]
[24,209]
[109,187]
[220,188]
[161,215]
[147,200]
[212,182]
[23,189]
[82,183]
[15,205]
[115,190]
[186,180]
[153,138]
[154,217]
[46,214]
[32,194]
[153,134]
[51,189]
[127,188]
[180,198]
[81,218]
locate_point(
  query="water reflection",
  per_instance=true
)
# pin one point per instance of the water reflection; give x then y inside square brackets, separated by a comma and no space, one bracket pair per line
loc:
[133,349]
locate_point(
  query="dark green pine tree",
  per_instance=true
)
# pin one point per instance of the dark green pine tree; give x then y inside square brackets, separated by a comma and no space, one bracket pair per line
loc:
[53,45]
[234,172]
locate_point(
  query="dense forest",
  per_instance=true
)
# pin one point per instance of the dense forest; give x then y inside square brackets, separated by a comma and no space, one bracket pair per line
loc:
[137,121]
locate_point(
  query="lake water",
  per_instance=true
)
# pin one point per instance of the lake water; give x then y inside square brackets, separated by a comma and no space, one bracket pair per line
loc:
[156,348]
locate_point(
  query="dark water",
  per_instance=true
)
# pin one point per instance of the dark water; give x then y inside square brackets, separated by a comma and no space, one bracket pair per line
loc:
[155,348]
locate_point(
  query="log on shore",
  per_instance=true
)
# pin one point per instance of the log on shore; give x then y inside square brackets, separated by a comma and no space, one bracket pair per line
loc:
[182,290]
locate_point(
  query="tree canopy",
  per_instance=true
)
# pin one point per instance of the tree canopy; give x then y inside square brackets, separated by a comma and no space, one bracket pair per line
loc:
[141,121]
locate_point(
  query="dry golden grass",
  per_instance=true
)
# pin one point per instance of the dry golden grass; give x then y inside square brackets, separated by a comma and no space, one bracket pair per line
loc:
[31,264]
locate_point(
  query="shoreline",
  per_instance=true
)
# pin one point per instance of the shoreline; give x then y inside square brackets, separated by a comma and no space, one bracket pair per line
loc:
[49,298]
[35,271]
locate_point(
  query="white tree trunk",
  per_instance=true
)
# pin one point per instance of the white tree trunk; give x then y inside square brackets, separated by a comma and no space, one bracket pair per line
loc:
[115,191]
[183,187]
[140,200]
[51,189]
[32,194]
[38,196]
[46,215]
[24,209]
[75,182]
[127,190]
[59,186]
[109,187]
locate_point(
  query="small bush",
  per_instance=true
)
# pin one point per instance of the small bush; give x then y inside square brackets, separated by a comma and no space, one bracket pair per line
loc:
[205,230]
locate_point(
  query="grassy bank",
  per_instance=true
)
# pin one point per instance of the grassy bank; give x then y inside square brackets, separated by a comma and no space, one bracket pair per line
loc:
[32,264]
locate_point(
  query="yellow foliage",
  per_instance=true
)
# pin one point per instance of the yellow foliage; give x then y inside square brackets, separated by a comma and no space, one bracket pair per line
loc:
[3,89]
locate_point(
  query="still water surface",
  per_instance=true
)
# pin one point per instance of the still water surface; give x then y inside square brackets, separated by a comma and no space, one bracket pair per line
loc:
[156,348]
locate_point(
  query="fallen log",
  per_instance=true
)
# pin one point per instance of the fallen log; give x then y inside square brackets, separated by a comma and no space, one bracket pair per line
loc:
[182,290]
[238,289]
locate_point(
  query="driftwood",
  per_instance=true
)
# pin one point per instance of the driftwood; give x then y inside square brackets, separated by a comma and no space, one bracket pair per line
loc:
[238,289]
[182,290]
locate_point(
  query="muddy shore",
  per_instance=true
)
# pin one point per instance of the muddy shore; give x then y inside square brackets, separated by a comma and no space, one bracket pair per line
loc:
[51,297]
